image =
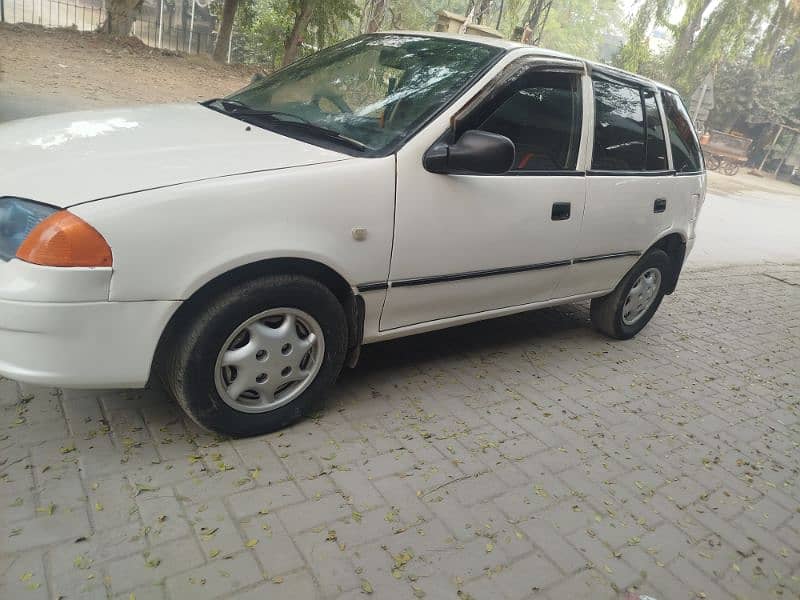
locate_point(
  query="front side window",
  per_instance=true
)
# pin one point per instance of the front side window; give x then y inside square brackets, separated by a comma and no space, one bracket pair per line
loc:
[373,91]
[542,116]
[619,135]
[683,141]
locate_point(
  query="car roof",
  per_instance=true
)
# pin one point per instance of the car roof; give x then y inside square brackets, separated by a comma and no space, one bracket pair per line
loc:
[509,45]
[478,39]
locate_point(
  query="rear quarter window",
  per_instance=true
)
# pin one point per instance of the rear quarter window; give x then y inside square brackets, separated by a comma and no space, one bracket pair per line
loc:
[686,156]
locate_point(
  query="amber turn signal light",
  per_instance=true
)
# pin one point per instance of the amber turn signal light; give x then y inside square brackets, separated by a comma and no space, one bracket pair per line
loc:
[65,240]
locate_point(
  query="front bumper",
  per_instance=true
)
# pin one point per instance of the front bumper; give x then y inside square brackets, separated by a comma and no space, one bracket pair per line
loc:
[58,328]
[81,344]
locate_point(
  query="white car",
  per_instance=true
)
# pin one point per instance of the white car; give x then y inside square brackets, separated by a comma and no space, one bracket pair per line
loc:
[243,249]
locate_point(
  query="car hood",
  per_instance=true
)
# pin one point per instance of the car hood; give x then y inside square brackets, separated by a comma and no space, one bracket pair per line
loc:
[70,158]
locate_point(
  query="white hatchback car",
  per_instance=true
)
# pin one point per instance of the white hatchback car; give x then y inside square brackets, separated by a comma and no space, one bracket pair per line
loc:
[243,249]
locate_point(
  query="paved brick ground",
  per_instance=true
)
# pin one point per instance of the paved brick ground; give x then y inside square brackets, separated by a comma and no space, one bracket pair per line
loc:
[521,458]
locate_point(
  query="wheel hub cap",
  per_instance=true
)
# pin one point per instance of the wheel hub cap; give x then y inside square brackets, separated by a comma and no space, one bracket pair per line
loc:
[269,360]
[641,296]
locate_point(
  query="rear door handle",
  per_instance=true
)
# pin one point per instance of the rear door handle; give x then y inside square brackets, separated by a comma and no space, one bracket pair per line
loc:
[561,211]
[660,205]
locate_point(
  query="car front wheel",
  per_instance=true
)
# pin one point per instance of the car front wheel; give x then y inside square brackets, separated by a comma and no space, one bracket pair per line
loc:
[258,356]
[624,312]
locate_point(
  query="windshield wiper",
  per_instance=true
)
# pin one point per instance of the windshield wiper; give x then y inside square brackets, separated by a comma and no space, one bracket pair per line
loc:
[239,110]
[235,107]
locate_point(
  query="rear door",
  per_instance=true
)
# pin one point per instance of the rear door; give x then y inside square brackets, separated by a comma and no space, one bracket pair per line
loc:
[630,187]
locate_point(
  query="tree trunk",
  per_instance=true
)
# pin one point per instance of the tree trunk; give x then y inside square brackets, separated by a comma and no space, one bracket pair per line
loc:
[301,19]
[376,15]
[692,21]
[482,12]
[793,58]
[225,29]
[120,15]
[778,27]
[535,20]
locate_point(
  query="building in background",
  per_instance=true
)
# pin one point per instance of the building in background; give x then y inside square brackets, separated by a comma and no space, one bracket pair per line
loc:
[453,23]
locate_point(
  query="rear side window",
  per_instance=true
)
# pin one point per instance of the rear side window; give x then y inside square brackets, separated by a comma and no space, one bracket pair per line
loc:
[685,149]
[619,138]
[655,146]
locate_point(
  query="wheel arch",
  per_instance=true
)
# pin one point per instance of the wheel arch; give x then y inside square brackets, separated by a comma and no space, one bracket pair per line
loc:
[352,303]
[674,245]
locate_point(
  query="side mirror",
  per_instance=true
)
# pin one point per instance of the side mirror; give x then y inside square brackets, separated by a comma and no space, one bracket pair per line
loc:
[475,152]
[257,77]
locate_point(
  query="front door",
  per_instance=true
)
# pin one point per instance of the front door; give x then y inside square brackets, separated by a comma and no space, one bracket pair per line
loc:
[468,243]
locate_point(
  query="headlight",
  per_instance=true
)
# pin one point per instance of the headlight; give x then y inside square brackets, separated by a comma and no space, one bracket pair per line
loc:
[43,235]
[17,219]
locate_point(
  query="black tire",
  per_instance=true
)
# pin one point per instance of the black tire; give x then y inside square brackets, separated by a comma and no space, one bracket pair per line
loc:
[187,370]
[712,162]
[606,311]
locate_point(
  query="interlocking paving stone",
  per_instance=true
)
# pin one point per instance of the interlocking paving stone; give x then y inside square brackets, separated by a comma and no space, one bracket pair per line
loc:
[525,457]
[153,566]
[217,579]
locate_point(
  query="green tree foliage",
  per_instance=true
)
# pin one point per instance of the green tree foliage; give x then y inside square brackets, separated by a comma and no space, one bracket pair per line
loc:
[635,55]
[573,26]
[269,32]
[731,31]
[750,93]
[752,47]
[579,27]
[689,26]
[707,35]
[331,21]
[262,27]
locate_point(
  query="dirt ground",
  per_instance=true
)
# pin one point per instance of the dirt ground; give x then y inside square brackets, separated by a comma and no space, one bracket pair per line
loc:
[746,182]
[99,70]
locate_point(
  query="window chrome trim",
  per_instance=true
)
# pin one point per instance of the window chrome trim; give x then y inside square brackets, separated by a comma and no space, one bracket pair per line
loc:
[545,173]
[607,173]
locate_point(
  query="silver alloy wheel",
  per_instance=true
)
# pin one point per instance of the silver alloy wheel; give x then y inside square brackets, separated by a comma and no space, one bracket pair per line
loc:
[269,360]
[641,295]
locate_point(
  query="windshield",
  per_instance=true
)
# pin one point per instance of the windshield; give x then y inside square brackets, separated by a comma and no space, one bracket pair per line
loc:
[374,90]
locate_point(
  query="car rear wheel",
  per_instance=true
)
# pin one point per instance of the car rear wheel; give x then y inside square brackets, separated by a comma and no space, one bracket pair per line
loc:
[258,356]
[624,312]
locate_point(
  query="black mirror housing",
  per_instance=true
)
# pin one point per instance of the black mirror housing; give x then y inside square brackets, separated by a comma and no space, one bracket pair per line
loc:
[476,151]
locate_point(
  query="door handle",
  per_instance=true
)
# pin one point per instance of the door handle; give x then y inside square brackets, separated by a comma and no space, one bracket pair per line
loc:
[660,205]
[561,211]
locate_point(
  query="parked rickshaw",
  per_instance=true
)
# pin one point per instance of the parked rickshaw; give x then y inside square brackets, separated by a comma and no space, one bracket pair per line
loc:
[725,152]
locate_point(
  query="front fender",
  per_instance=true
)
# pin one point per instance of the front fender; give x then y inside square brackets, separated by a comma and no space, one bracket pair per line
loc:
[168,243]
